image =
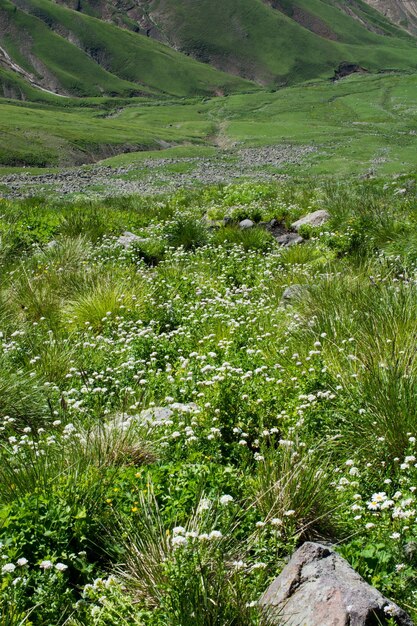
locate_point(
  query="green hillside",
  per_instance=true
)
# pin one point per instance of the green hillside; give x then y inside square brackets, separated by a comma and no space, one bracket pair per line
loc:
[359,124]
[269,41]
[209,46]
[74,54]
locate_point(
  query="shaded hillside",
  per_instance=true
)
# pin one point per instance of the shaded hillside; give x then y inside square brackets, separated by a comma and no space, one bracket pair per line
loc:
[62,51]
[273,42]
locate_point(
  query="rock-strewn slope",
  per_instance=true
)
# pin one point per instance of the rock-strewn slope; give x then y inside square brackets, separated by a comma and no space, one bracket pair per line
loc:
[401,12]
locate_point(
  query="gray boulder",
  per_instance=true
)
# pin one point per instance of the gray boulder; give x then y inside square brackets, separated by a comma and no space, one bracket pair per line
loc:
[155,414]
[211,224]
[318,218]
[319,588]
[293,293]
[289,239]
[127,239]
[245,224]
[161,414]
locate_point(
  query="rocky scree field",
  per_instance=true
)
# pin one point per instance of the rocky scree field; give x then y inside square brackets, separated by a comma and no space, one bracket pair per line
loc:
[185,398]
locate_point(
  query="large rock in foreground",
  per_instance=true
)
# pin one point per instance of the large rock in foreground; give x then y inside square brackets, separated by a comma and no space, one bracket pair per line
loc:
[319,588]
[318,218]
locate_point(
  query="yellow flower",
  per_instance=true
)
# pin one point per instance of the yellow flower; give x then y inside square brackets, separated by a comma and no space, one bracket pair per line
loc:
[134,509]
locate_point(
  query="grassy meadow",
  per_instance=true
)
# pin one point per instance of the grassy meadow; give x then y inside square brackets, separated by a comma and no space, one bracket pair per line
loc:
[172,428]
[359,125]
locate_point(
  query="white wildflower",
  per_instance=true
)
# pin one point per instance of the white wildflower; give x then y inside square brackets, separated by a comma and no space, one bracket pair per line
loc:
[61,567]
[9,567]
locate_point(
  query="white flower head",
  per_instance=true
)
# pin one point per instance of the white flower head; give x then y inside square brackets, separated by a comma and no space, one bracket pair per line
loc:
[204,504]
[215,534]
[61,567]
[9,567]
[224,500]
[390,609]
[178,541]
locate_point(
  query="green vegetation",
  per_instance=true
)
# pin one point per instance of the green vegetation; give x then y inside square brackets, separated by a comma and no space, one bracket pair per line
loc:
[272,43]
[183,401]
[75,53]
[171,428]
[79,55]
[360,124]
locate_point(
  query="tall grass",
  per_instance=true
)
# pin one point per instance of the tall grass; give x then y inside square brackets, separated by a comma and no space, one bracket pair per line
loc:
[294,484]
[188,574]
[369,325]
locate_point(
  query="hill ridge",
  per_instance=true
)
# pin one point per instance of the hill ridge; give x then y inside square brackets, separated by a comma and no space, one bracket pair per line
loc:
[185,48]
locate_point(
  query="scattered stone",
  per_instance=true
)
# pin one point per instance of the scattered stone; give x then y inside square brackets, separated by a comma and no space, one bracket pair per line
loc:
[150,176]
[276,228]
[159,414]
[245,224]
[210,224]
[227,221]
[289,239]
[318,218]
[155,414]
[293,293]
[410,550]
[128,239]
[51,244]
[319,588]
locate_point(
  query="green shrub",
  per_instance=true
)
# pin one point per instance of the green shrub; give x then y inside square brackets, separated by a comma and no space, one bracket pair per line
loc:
[186,231]
[250,238]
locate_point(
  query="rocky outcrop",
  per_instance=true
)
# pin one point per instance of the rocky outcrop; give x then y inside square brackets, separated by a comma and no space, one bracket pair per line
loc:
[289,239]
[401,12]
[128,239]
[346,69]
[319,588]
[293,293]
[318,218]
[245,224]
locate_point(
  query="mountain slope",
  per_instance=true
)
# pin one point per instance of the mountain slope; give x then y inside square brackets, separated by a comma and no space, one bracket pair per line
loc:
[401,12]
[269,41]
[77,47]
[73,54]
